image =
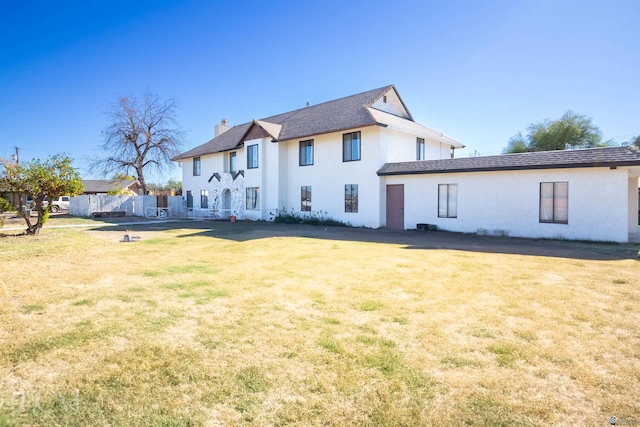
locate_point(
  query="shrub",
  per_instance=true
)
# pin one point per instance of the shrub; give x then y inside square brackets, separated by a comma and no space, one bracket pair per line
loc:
[312,218]
[45,215]
[5,206]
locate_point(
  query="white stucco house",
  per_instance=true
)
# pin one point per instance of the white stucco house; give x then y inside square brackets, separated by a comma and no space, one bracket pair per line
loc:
[364,160]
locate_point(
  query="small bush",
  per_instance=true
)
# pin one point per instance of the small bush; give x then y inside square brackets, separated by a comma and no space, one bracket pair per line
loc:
[45,215]
[311,218]
[5,206]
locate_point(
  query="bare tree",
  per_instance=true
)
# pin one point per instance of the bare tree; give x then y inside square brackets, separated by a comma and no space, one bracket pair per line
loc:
[143,135]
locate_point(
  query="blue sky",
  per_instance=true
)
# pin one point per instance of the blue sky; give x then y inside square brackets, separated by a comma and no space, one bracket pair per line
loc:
[477,71]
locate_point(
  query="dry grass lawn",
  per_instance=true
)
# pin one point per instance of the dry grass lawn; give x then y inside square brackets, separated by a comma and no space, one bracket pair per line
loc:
[202,327]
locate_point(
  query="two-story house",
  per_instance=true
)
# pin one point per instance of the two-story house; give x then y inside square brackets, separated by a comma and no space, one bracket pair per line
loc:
[363,160]
[320,158]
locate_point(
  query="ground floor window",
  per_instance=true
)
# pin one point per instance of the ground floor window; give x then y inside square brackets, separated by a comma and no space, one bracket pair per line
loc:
[554,202]
[447,200]
[204,199]
[189,199]
[253,198]
[351,198]
[305,198]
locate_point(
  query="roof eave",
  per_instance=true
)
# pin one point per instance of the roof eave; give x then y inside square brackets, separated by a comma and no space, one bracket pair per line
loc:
[331,131]
[511,168]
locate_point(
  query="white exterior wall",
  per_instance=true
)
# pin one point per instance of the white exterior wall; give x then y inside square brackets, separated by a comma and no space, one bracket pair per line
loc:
[210,164]
[508,203]
[265,177]
[634,232]
[397,146]
[270,197]
[392,105]
[329,174]
[280,177]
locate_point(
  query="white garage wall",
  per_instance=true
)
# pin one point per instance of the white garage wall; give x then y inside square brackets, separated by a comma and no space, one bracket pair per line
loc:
[508,203]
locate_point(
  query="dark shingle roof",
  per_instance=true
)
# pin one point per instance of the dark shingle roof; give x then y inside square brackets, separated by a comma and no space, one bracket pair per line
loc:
[341,114]
[588,157]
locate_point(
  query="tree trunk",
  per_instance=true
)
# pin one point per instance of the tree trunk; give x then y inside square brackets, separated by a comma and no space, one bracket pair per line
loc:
[26,215]
[142,181]
[35,228]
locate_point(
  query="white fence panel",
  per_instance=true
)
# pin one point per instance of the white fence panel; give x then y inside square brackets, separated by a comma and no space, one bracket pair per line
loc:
[176,206]
[103,203]
[142,203]
[79,206]
[85,205]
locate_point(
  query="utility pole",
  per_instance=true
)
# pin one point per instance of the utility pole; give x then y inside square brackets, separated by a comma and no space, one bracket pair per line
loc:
[16,156]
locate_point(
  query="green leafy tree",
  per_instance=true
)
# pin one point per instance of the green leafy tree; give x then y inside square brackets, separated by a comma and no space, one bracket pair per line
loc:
[50,178]
[568,132]
[171,185]
[123,177]
[143,135]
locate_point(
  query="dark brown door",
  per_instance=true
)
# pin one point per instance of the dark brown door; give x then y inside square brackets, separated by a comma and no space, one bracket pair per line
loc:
[162,201]
[395,206]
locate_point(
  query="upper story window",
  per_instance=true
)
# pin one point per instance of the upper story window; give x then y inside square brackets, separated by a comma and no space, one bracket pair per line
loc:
[233,162]
[554,202]
[306,152]
[351,146]
[252,156]
[196,166]
[447,200]
[420,149]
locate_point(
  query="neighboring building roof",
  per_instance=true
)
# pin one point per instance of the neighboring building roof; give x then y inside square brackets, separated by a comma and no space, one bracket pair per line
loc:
[582,158]
[106,185]
[341,114]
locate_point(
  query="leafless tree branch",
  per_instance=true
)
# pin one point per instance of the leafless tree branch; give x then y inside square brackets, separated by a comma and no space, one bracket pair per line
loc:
[143,135]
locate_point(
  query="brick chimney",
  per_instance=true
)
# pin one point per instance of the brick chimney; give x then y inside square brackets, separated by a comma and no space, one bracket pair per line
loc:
[221,128]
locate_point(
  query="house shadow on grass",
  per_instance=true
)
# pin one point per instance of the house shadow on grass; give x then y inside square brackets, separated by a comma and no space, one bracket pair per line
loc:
[244,231]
